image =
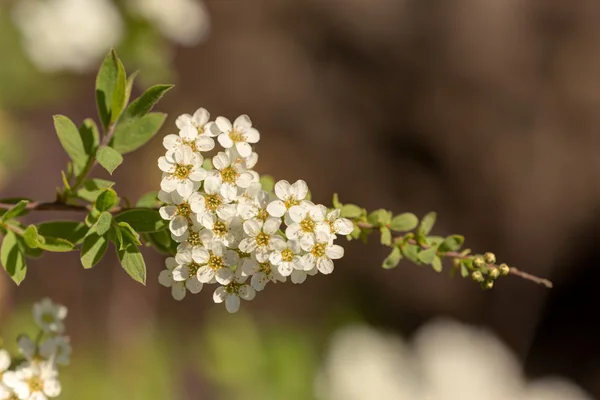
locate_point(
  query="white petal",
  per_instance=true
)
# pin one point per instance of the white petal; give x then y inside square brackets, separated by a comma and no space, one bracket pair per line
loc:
[271,226]
[178,226]
[171,141]
[259,281]
[182,155]
[300,189]
[183,257]
[168,212]
[181,273]
[252,136]
[298,276]
[205,274]
[52,387]
[232,303]
[221,161]
[183,120]
[185,187]
[178,291]
[251,160]
[171,263]
[249,267]
[325,265]
[297,213]
[208,220]
[318,212]
[231,258]
[220,294]
[194,285]
[242,123]
[224,276]
[244,149]
[343,226]
[198,174]
[335,252]
[244,180]
[285,268]
[200,255]
[4,360]
[223,124]
[248,245]
[292,231]
[169,183]
[282,189]
[228,191]
[212,184]
[166,166]
[224,140]
[276,208]
[247,292]
[188,133]
[205,143]
[165,278]
[201,117]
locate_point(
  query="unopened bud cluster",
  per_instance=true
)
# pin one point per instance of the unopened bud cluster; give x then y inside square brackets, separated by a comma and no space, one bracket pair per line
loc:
[36,376]
[486,272]
[228,228]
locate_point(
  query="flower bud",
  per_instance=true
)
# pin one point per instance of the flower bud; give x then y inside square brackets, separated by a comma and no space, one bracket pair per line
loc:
[477,276]
[478,262]
[490,258]
[504,269]
[487,285]
[456,262]
[494,273]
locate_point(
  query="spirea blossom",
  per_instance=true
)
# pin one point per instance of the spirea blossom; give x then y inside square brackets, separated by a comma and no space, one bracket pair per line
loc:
[230,231]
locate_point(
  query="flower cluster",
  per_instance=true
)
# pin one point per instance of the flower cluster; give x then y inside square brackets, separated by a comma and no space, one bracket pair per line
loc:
[231,231]
[35,374]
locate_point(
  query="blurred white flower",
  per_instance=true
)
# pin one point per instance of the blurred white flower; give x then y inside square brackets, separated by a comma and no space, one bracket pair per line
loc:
[69,35]
[446,361]
[183,21]
[49,315]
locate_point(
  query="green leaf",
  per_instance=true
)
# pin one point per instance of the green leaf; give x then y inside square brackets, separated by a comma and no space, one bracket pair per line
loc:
[93,249]
[142,220]
[102,225]
[106,83]
[427,223]
[72,142]
[379,217]
[161,241]
[92,188]
[426,256]
[131,134]
[89,135]
[336,201]
[404,222]
[12,258]
[106,200]
[119,97]
[437,264]
[30,236]
[411,251]
[72,231]
[386,236]
[267,182]
[464,271]
[133,263]
[15,211]
[392,260]
[144,104]
[57,245]
[452,243]
[130,81]
[149,200]
[128,235]
[351,211]
[207,164]
[109,158]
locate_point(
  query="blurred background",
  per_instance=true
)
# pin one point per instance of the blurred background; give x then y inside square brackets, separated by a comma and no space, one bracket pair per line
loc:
[486,111]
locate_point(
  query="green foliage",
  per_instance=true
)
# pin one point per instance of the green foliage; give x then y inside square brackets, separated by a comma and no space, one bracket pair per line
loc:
[404,222]
[111,87]
[132,134]
[106,200]
[144,104]
[16,211]
[92,188]
[267,182]
[72,231]
[12,257]
[93,249]
[133,263]
[109,158]
[393,259]
[351,211]
[142,220]
[73,142]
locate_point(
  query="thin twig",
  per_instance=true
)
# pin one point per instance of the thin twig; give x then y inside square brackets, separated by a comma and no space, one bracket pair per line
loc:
[58,206]
[453,254]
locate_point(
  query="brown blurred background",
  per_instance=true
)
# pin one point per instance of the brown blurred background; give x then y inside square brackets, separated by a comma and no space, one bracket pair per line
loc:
[485,111]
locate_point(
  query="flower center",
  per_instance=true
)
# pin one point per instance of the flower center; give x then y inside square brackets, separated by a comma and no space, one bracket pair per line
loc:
[192,144]
[307,224]
[200,130]
[287,255]
[233,287]
[193,267]
[291,202]
[215,262]
[242,254]
[184,210]
[318,250]
[194,238]
[219,228]
[35,384]
[265,267]
[47,318]
[262,214]
[229,175]
[262,239]
[213,201]
[236,136]
[331,227]
[183,171]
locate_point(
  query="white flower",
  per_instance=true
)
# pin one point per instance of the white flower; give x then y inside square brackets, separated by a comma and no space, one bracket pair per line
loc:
[178,211]
[189,136]
[182,171]
[184,21]
[229,233]
[185,271]
[165,278]
[49,316]
[446,360]
[320,252]
[229,176]
[211,204]
[199,121]
[335,225]
[288,195]
[192,238]
[7,394]
[245,162]
[58,349]
[35,381]
[262,237]
[261,273]
[4,362]
[286,257]
[231,293]
[299,276]
[305,218]
[241,134]
[27,347]
[253,203]
[215,263]
[48,30]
